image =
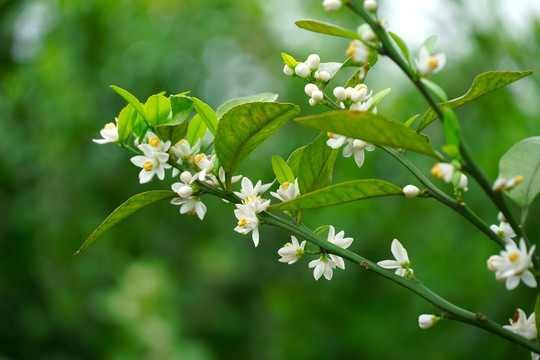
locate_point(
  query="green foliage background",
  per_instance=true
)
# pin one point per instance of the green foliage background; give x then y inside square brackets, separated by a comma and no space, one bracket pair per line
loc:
[165,286]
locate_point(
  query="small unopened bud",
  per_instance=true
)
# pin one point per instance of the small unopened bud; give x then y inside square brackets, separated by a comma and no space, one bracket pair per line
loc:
[331,5]
[302,70]
[317,95]
[340,93]
[499,184]
[312,102]
[322,75]
[411,191]
[185,177]
[310,88]
[518,179]
[288,71]
[425,321]
[369,35]
[370,5]
[313,61]
[185,191]
[501,217]
[463,182]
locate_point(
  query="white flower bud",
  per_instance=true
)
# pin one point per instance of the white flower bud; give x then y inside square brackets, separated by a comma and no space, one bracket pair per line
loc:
[369,35]
[310,88]
[288,71]
[350,92]
[317,95]
[312,102]
[463,182]
[302,70]
[425,321]
[340,93]
[185,177]
[360,92]
[411,191]
[185,191]
[499,184]
[322,75]
[370,5]
[331,5]
[313,61]
[501,217]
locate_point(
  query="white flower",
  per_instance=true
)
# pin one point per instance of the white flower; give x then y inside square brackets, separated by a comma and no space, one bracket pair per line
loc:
[183,190]
[313,61]
[425,321]
[359,51]
[340,93]
[323,265]
[213,180]
[205,164]
[287,191]
[504,230]
[313,91]
[154,160]
[463,182]
[341,241]
[359,93]
[411,191]
[401,263]
[335,141]
[191,205]
[331,5]
[522,325]
[357,147]
[535,356]
[512,265]
[249,190]
[310,88]
[370,5]
[302,70]
[429,64]
[504,184]
[109,133]
[184,151]
[501,217]
[291,252]
[323,76]
[368,35]
[288,71]
[247,221]
[443,171]
[154,146]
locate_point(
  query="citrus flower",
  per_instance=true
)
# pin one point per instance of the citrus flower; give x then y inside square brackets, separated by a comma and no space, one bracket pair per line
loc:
[287,191]
[323,266]
[411,191]
[154,160]
[331,5]
[401,262]
[357,147]
[341,241]
[425,321]
[522,325]
[191,205]
[443,171]
[248,188]
[504,231]
[291,252]
[429,64]
[109,133]
[205,164]
[512,265]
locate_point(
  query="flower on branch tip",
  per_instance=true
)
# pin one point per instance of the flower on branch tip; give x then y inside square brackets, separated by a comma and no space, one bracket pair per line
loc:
[313,61]
[109,133]
[332,5]
[249,190]
[429,64]
[323,266]
[401,262]
[206,166]
[291,252]
[522,325]
[358,51]
[246,213]
[411,191]
[341,241]
[154,160]
[512,264]
[425,321]
[504,231]
[287,191]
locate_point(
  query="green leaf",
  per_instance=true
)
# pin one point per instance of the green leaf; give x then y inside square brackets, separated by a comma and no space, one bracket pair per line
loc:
[452,131]
[537,313]
[451,150]
[339,194]
[226,106]
[316,165]
[411,120]
[246,126]
[321,229]
[435,89]
[126,120]
[325,28]
[132,205]
[196,130]
[523,159]
[378,97]
[294,160]
[358,77]
[181,107]
[331,67]
[158,108]
[282,170]
[130,99]
[482,85]
[431,43]
[289,60]
[207,114]
[401,45]
[174,131]
[370,127]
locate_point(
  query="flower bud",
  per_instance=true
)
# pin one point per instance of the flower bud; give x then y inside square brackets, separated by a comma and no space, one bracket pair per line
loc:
[463,182]
[369,35]
[312,102]
[425,321]
[310,88]
[317,95]
[185,177]
[288,71]
[302,70]
[185,191]
[360,92]
[370,5]
[340,93]
[411,191]
[499,184]
[331,5]
[322,75]
[313,61]
[501,217]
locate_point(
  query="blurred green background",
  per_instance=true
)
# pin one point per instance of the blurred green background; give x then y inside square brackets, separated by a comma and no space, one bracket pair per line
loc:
[165,286]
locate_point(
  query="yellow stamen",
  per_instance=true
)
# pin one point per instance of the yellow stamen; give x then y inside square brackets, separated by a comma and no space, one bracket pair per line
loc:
[513,256]
[180,142]
[191,212]
[330,134]
[287,244]
[433,62]
[517,179]
[436,171]
[147,165]
[285,185]
[199,158]
[242,222]
[110,126]
[350,49]
[154,141]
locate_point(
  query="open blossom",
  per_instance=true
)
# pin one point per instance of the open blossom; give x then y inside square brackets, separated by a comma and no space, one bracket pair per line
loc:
[287,191]
[522,325]
[512,265]
[291,252]
[109,133]
[357,147]
[401,262]
[154,160]
[213,180]
[443,171]
[504,184]
[191,205]
[247,211]
[504,230]
[429,64]
[323,266]
[248,189]
[341,241]
[205,164]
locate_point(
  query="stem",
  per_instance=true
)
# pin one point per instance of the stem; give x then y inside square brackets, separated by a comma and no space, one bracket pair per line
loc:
[416,286]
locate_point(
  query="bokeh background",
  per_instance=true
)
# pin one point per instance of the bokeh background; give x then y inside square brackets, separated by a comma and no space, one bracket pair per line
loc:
[165,286]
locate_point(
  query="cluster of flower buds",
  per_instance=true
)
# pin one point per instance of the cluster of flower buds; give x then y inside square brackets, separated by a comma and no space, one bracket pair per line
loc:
[355,98]
[308,70]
